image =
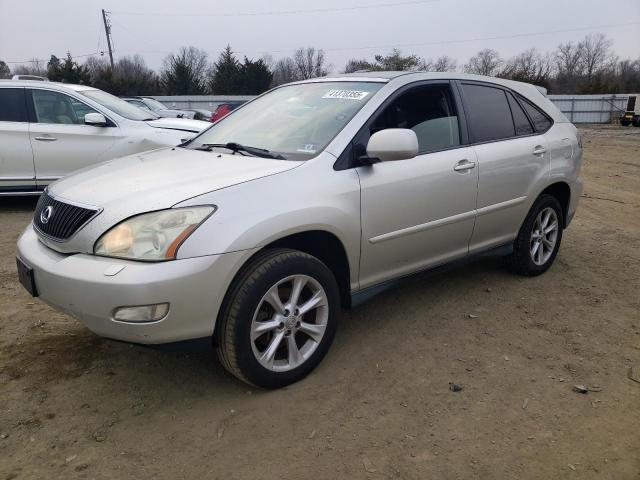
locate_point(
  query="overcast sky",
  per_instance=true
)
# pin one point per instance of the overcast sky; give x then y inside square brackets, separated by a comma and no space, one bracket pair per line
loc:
[429,28]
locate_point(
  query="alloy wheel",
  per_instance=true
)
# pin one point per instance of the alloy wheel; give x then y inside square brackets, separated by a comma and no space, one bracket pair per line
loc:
[289,323]
[544,236]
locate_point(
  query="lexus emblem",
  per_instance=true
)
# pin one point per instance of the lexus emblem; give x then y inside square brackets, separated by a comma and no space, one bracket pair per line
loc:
[46,214]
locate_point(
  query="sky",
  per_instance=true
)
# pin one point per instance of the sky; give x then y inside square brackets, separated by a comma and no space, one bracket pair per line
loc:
[343,28]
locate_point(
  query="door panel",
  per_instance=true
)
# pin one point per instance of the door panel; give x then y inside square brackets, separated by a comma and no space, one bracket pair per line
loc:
[16,157]
[61,141]
[509,174]
[416,213]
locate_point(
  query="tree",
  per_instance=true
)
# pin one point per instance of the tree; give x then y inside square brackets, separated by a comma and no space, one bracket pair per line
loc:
[568,59]
[67,70]
[529,66]
[486,62]
[255,77]
[393,62]
[130,76]
[595,53]
[5,71]
[284,71]
[184,73]
[396,61]
[34,67]
[226,74]
[442,64]
[356,64]
[310,63]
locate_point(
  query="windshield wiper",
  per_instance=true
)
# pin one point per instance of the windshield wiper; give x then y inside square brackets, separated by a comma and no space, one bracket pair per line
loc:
[236,147]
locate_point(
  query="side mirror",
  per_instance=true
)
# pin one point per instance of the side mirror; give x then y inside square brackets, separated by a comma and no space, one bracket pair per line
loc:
[393,144]
[95,120]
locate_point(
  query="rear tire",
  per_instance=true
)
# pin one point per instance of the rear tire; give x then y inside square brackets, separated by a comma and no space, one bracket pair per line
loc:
[538,240]
[635,122]
[278,319]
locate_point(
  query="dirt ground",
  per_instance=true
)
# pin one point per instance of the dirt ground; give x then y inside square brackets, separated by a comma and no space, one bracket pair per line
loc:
[73,405]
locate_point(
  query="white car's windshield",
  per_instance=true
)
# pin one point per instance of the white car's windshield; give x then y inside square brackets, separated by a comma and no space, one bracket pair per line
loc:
[118,105]
[154,104]
[295,122]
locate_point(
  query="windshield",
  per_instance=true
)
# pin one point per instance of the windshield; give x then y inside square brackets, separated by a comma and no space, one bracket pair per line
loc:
[295,121]
[154,104]
[118,105]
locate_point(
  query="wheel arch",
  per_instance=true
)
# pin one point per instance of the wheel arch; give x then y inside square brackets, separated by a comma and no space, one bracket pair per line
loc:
[562,192]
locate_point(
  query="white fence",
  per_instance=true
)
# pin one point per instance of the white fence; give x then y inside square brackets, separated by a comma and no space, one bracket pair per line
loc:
[591,108]
[577,108]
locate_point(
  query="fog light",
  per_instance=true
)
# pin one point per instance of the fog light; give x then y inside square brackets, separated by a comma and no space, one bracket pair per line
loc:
[142,313]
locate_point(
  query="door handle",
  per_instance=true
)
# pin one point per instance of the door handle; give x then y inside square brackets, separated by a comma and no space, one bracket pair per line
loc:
[539,150]
[464,165]
[46,139]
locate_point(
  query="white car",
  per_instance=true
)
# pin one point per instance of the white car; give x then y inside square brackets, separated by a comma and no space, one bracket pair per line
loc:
[312,197]
[48,130]
[154,106]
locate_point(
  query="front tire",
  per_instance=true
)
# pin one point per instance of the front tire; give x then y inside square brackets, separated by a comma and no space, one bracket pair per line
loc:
[538,240]
[279,318]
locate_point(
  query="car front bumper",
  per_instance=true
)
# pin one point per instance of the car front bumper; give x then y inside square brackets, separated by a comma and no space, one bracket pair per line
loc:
[85,287]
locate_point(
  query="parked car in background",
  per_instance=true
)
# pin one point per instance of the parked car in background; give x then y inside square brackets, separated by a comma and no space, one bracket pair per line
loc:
[307,199]
[49,129]
[223,110]
[153,105]
[201,114]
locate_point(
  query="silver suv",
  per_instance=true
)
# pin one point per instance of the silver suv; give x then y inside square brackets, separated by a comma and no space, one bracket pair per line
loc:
[254,234]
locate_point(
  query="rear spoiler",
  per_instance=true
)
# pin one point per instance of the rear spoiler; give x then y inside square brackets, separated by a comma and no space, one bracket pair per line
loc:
[542,90]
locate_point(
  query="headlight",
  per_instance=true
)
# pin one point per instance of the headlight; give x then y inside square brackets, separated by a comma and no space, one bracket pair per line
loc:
[152,236]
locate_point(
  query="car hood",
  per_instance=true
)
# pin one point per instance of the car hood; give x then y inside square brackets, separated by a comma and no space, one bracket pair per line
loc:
[151,181]
[185,124]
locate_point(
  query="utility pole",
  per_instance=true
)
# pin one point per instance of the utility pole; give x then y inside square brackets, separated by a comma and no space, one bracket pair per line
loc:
[107,31]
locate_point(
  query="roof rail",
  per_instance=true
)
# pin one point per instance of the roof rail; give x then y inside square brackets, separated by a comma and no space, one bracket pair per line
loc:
[30,77]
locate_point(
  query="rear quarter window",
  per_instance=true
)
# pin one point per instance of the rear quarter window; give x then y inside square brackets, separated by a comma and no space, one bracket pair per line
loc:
[488,113]
[12,105]
[541,122]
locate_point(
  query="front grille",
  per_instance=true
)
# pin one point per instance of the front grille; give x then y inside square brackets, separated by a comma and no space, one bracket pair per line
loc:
[63,219]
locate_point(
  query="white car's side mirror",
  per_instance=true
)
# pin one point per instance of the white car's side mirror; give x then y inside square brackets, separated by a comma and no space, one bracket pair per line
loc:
[95,119]
[393,144]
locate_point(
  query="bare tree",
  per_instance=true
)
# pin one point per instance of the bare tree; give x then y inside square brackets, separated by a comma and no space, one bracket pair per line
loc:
[568,59]
[442,64]
[530,66]
[310,62]
[284,71]
[34,67]
[486,62]
[595,53]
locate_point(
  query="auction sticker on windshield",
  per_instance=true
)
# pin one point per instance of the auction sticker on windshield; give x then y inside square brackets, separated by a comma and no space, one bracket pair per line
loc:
[348,94]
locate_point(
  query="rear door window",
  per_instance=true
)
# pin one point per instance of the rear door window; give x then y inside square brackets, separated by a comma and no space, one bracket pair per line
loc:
[520,120]
[12,105]
[488,112]
[541,122]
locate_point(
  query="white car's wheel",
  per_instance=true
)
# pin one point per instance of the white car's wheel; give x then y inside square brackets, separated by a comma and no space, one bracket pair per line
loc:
[279,318]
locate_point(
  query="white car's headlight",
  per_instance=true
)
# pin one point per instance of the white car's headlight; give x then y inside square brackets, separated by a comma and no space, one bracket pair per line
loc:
[153,236]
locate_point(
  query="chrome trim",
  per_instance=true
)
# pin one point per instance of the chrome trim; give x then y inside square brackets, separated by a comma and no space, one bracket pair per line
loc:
[98,210]
[422,227]
[501,206]
[16,179]
[20,194]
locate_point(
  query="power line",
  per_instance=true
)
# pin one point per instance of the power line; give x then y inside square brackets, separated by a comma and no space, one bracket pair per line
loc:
[281,12]
[397,45]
